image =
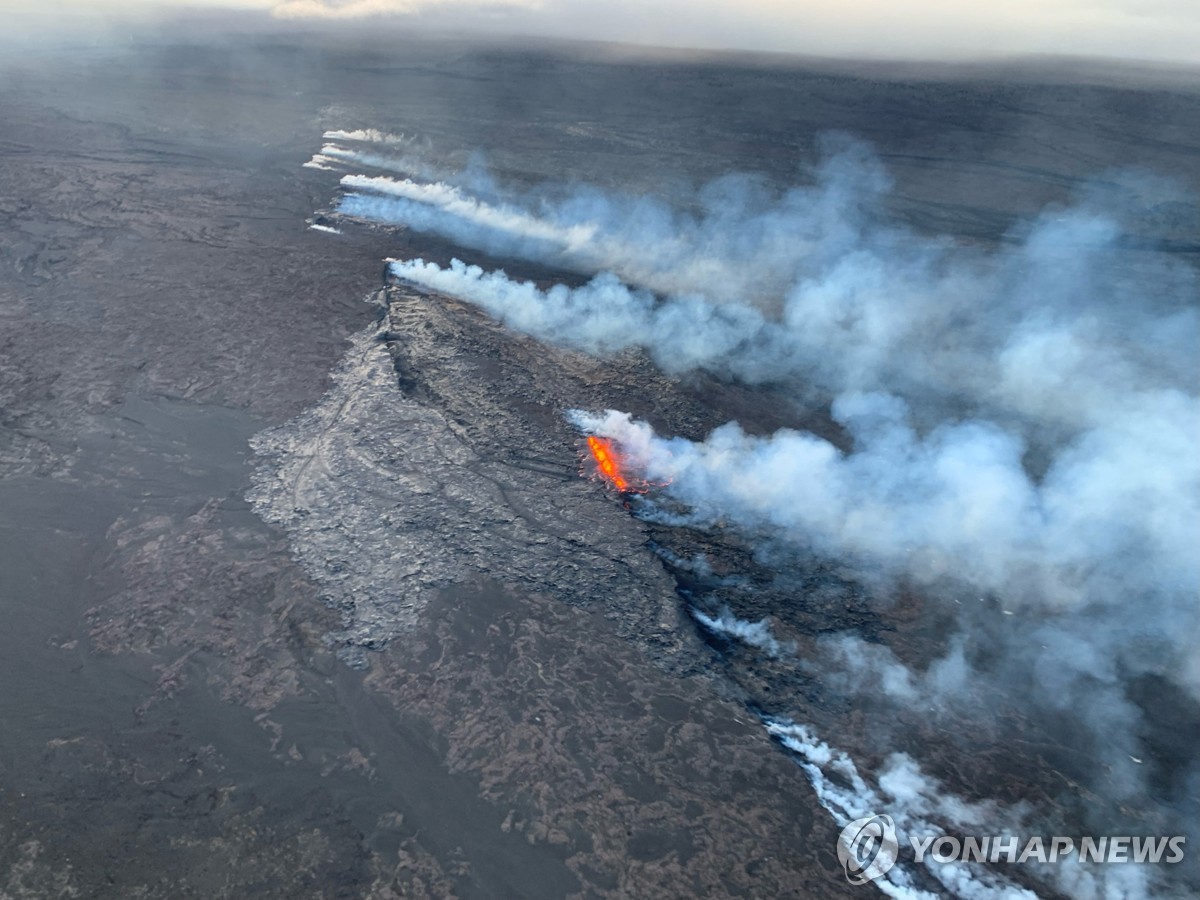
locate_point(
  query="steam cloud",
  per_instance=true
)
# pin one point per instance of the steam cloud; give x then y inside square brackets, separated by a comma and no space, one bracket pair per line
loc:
[445,209]
[1021,422]
[744,241]
[756,634]
[809,285]
[1095,560]
[400,153]
[957,503]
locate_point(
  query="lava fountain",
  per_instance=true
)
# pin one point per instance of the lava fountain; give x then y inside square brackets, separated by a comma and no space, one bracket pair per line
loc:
[608,462]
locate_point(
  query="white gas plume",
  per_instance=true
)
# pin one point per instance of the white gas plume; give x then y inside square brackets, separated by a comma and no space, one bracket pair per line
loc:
[810,285]
[754,634]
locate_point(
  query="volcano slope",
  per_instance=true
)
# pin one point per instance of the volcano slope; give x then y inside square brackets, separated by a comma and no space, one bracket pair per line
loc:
[490,586]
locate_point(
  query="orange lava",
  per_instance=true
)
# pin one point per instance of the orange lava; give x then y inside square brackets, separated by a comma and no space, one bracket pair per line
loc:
[608,462]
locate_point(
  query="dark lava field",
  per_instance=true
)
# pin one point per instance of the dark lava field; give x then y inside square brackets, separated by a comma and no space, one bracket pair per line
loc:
[308,588]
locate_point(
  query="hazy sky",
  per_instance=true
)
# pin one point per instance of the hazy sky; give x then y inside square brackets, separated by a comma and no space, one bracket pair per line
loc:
[1166,30]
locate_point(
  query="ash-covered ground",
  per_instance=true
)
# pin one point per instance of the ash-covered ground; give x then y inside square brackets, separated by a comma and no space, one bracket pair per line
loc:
[310,590]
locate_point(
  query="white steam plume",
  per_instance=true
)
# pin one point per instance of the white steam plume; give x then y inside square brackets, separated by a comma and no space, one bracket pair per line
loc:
[369,136]
[957,500]
[1044,331]
[447,210]
[755,634]
[1112,522]
[604,316]
[334,156]
[745,242]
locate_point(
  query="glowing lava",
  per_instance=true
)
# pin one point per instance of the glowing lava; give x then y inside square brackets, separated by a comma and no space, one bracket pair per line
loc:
[608,462]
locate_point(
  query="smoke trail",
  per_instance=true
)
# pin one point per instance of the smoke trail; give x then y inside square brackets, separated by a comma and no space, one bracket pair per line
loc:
[810,284]
[333,157]
[956,501]
[745,241]
[446,210]
[369,135]
[984,332]
[605,316]
[756,634]
[1109,529]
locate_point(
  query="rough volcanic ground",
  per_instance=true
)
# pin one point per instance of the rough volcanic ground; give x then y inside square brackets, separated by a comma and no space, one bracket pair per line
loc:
[189,711]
